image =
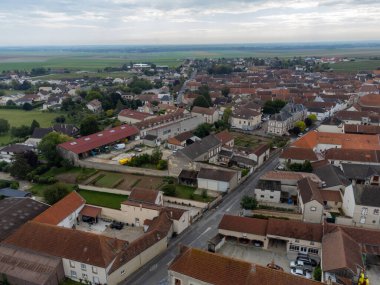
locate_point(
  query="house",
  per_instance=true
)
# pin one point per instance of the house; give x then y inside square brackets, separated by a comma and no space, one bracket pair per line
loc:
[226,138]
[331,125]
[182,140]
[151,141]
[206,150]
[338,156]
[195,266]
[297,155]
[280,186]
[261,154]
[53,102]
[130,116]
[280,123]
[217,180]
[66,129]
[361,129]
[332,177]
[37,136]
[362,173]
[94,106]
[64,213]
[310,201]
[188,177]
[209,115]
[245,119]
[358,117]
[7,153]
[362,204]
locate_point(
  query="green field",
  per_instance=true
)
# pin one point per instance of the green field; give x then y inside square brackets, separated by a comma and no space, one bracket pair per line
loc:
[355,66]
[17,118]
[102,199]
[109,180]
[187,192]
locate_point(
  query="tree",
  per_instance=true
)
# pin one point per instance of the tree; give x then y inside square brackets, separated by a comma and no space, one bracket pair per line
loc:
[162,164]
[273,107]
[202,130]
[296,131]
[201,101]
[317,275]
[169,190]
[308,122]
[88,126]
[248,203]
[4,126]
[93,95]
[34,125]
[31,158]
[156,156]
[301,125]
[48,147]
[312,117]
[225,91]
[20,167]
[10,103]
[60,119]
[55,192]
[227,115]
[20,132]
[27,107]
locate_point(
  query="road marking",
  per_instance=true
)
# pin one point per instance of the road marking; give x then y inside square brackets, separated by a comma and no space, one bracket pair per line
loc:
[170,261]
[209,228]
[228,209]
[153,267]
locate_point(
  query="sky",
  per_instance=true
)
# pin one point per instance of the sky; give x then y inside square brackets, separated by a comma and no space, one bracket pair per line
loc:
[90,22]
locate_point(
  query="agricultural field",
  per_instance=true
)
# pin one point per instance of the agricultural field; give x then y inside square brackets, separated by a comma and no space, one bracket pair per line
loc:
[17,118]
[355,66]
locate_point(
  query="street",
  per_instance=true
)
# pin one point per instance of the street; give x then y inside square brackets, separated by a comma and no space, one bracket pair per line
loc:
[198,234]
[183,88]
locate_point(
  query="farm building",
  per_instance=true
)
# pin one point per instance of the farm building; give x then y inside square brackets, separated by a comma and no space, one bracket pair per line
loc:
[85,146]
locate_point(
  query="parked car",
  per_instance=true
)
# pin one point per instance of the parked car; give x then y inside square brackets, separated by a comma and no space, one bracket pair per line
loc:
[301,272]
[116,225]
[302,264]
[307,259]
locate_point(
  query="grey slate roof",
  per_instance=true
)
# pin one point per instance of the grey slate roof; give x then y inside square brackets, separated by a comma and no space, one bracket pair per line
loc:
[200,147]
[287,111]
[17,148]
[360,171]
[39,133]
[9,192]
[331,175]
[367,195]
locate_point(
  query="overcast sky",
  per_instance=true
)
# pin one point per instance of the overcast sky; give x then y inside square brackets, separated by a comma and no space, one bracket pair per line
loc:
[67,22]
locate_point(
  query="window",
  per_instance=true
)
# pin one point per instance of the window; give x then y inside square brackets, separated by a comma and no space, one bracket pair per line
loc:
[83,266]
[313,209]
[73,274]
[96,280]
[84,276]
[376,211]
[94,270]
[271,197]
[122,272]
[294,247]
[362,220]
[262,196]
[313,250]
[177,281]
[364,211]
[72,264]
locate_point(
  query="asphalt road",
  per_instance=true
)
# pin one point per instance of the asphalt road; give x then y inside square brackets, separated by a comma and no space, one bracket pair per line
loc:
[198,234]
[181,92]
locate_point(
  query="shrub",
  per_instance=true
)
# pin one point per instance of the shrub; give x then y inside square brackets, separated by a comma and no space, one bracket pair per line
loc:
[55,192]
[169,190]
[248,203]
[162,164]
[244,172]
[317,275]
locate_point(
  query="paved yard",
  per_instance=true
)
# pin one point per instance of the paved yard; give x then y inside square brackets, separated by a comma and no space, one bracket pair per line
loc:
[255,255]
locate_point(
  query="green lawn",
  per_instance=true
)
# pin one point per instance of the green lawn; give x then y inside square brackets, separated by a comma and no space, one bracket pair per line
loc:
[249,141]
[109,180]
[187,192]
[102,199]
[17,118]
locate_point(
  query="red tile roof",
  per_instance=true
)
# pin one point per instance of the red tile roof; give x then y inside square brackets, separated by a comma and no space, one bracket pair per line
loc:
[203,110]
[91,211]
[89,248]
[217,269]
[60,210]
[99,139]
[244,225]
[224,136]
[143,195]
[299,153]
[134,114]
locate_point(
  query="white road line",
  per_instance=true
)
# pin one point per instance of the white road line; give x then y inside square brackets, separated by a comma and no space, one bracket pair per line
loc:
[228,209]
[209,228]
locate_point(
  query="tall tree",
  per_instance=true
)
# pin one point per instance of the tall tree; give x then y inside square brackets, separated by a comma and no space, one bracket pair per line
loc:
[88,126]
[48,147]
[4,126]
[201,101]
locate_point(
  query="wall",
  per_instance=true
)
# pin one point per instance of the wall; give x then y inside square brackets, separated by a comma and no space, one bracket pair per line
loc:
[121,168]
[330,129]
[103,189]
[113,214]
[192,203]
[244,235]
[137,262]
[185,280]
[267,195]
[101,272]
[137,215]
[310,216]
[71,219]
[349,201]
[180,225]
[367,217]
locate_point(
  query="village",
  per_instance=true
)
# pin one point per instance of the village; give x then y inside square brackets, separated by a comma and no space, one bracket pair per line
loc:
[171,174]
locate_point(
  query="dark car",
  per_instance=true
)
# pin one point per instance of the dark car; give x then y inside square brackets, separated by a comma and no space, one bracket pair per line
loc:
[116,225]
[307,259]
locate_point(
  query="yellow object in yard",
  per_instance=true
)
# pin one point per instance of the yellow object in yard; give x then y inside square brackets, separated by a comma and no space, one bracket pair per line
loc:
[124,160]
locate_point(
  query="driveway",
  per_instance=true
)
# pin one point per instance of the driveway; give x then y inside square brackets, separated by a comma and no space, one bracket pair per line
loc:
[255,255]
[24,185]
